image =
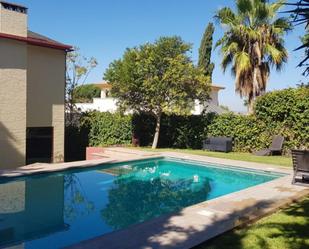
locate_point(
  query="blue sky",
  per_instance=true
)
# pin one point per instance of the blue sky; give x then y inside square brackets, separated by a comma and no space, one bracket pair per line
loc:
[104,29]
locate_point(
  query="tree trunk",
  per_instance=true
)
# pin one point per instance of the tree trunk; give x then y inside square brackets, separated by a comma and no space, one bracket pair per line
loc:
[250,106]
[157,133]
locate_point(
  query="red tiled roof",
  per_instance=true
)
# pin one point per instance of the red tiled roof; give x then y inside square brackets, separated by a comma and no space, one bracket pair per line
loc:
[38,40]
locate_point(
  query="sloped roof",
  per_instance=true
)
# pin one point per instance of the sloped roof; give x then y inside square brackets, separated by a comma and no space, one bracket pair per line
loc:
[103,85]
[37,39]
[215,109]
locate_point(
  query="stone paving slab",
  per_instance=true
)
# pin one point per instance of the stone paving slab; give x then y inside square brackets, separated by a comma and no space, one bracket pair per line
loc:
[39,168]
[230,162]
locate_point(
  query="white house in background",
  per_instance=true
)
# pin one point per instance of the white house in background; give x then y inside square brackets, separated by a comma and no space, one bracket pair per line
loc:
[106,103]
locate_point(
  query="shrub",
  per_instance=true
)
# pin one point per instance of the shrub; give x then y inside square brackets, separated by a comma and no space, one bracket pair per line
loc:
[249,134]
[176,131]
[109,129]
[286,112]
[76,137]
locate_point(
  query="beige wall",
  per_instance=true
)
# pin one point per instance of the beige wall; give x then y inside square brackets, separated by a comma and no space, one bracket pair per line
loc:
[13,62]
[214,96]
[45,93]
[12,22]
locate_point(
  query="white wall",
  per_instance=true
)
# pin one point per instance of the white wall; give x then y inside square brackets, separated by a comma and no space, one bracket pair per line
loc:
[107,104]
[99,104]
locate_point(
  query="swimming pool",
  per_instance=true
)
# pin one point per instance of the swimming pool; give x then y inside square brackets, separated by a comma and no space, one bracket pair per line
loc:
[64,208]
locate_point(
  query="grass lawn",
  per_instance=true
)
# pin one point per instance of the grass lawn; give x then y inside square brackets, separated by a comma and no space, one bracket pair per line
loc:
[276,160]
[286,229]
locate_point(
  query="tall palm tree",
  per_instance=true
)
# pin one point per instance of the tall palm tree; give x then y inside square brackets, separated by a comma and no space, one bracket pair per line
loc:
[252,44]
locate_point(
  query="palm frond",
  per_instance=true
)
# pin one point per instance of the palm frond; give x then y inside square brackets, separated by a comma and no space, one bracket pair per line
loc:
[226,16]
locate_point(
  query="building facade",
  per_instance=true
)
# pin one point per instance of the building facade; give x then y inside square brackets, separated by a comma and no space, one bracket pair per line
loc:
[32,92]
[106,103]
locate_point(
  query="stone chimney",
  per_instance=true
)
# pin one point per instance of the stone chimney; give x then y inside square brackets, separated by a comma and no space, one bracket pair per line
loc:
[13,19]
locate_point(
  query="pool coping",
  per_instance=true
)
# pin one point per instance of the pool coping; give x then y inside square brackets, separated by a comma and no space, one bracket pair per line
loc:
[42,168]
[194,224]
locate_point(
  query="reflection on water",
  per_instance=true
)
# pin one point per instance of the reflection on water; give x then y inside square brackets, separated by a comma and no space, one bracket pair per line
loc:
[76,201]
[29,209]
[58,210]
[132,201]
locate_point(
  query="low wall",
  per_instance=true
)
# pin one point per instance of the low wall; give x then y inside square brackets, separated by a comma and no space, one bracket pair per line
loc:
[92,151]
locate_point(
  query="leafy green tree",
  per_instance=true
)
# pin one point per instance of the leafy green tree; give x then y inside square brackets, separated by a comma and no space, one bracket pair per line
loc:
[158,78]
[252,43]
[85,93]
[204,60]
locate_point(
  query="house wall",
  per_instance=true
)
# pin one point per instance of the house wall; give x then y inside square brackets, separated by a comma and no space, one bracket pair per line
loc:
[99,104]
[12,22]
[45,93]
[13,77]
[214,97]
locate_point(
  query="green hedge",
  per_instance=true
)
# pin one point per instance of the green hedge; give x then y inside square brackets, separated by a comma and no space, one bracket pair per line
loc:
[249,134]
[284,112]
[176,131]
[109,129]
[116,129]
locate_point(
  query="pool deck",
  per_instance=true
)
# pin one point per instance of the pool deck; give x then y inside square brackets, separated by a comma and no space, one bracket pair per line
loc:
[195,224]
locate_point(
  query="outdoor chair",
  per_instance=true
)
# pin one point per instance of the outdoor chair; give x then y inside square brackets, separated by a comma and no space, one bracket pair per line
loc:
[300,165]
[274,149]
[223,144]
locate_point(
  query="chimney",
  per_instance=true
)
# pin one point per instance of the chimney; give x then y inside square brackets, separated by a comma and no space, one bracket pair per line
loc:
[13,19]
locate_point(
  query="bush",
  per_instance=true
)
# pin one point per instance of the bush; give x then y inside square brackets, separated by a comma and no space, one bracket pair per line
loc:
[76,141]
[287,113]
[76,138]
[284,112]
[176,131]
[109,129]
[249,134]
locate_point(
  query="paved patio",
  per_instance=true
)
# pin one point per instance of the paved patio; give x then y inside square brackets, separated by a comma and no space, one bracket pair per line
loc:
[194,224]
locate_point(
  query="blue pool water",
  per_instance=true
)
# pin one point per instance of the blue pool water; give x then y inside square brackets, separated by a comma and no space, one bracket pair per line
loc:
[61,209]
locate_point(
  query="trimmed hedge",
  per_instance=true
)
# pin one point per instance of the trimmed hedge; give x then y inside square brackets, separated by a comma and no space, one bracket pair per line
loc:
[176,131]
[116,129]
[287,113]
[249,134]
[284,112]
[109,129]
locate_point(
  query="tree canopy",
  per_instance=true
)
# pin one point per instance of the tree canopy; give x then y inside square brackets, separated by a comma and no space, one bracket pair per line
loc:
[204,59]
[85,93]
[253,43]
[158,78]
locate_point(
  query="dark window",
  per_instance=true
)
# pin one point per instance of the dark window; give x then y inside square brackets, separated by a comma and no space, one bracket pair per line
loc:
[39,146]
